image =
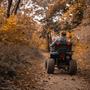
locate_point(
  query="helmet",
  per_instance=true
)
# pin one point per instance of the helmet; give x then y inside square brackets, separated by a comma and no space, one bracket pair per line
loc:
[63,33]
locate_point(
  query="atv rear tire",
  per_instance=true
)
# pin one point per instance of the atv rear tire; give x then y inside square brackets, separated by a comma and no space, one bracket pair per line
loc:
[50,66]
[72,67]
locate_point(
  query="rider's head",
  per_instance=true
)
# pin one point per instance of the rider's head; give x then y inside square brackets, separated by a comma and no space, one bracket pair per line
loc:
[63,33]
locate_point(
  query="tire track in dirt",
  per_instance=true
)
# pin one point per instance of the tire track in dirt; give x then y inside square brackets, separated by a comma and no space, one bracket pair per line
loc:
[60,80]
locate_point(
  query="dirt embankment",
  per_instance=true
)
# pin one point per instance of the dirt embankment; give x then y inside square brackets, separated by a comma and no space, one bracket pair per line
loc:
[18,67]
[83,47]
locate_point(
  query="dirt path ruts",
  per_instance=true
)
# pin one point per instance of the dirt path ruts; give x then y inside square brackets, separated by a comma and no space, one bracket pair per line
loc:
[60,80]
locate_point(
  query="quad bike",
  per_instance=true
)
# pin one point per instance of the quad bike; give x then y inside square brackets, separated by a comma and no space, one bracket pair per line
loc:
[62,60]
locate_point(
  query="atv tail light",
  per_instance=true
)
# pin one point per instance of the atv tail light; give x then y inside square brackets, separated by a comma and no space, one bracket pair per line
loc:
[62,56]
[68,44]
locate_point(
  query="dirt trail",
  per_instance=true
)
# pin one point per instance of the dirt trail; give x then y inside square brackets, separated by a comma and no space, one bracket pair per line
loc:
[60,80]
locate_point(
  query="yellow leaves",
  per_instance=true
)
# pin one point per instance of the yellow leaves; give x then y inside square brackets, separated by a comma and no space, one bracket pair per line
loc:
[80,54]
[80,49]
[1,16]
[10,23]
[1,11]
[38,42]
[20,30]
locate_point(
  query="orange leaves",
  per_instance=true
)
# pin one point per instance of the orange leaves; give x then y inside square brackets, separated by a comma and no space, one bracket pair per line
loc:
[80,54]
[10,23]
[20,29]
[38,42]
[1,16]
[1,11]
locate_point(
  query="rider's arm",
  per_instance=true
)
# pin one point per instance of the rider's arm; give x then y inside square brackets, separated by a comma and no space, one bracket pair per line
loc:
[53,43]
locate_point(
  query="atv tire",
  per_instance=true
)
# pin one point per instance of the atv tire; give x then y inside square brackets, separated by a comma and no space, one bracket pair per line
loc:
[50,66]
[72,67]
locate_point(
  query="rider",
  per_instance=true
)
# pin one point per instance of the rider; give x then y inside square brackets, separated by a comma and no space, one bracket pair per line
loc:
[60,40]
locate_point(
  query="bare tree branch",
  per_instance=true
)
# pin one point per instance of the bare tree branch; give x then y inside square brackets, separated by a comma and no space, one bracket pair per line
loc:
[54,7]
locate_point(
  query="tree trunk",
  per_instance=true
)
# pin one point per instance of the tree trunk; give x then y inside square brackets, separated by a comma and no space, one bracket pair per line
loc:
[9,8]
[17,6]
[49,40]
[48,43]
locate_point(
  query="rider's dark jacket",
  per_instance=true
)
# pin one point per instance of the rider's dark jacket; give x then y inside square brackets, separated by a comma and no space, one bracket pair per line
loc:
[59,42]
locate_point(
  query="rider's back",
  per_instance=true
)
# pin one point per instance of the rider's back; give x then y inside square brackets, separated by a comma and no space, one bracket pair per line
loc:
[61,44]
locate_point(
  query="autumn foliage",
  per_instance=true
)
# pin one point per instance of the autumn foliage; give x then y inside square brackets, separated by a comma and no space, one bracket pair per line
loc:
[20,29]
